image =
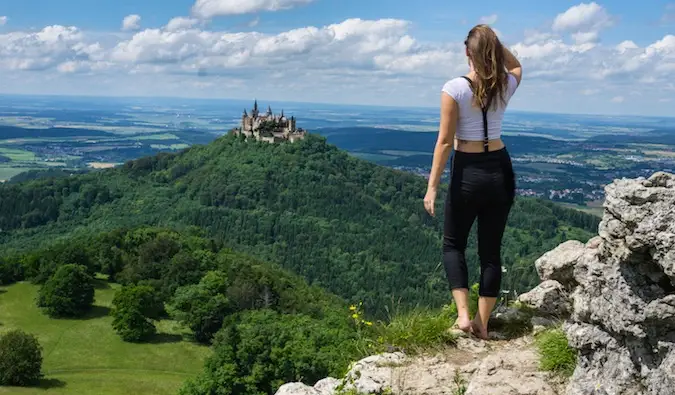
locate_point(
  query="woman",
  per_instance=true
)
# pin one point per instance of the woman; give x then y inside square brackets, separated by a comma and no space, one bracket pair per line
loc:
[482,184]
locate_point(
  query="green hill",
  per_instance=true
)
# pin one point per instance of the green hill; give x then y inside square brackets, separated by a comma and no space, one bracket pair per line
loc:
[354,228]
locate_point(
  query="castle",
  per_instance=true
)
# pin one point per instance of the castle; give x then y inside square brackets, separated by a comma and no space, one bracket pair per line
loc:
[269,127]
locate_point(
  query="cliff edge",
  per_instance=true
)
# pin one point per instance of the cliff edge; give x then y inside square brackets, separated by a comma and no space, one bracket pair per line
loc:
[615,295]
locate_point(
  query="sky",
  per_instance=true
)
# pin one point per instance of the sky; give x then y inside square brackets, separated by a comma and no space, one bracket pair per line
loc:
[604,57]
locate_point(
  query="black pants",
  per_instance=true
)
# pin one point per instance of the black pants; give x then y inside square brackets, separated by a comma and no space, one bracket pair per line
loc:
[482,186]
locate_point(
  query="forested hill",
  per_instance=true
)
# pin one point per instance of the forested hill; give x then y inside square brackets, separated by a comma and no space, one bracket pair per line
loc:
[352,227]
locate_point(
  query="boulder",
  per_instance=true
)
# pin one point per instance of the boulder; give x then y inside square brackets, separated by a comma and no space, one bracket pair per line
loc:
[622,288]
[548,298]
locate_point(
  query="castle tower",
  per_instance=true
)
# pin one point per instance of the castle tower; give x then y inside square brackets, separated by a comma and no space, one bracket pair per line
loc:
[269,110]
[255,109]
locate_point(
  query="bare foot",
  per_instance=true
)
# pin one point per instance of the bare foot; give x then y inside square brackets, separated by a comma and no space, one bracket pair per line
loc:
[478,330]
[463,324]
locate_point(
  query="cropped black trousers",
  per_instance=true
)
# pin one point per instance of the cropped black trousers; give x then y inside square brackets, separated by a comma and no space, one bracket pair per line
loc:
[482,187]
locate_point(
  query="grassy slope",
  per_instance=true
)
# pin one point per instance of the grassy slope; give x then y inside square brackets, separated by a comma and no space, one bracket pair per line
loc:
[86,356]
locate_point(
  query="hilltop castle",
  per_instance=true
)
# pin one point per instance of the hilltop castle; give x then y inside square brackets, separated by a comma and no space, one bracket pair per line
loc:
[269,127]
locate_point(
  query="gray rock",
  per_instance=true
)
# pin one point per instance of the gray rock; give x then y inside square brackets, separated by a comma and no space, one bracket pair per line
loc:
[297,389]
[510,373]
[548,298]
[559,263]
[622,288]
[327,386]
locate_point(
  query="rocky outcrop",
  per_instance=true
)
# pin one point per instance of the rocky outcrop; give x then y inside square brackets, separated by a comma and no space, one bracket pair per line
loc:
[474,368]
[621,288]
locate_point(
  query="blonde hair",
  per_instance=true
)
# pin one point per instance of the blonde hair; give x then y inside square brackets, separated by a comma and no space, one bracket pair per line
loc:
[486,53]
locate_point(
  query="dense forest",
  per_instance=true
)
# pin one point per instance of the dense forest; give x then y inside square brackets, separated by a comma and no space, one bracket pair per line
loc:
[346,225]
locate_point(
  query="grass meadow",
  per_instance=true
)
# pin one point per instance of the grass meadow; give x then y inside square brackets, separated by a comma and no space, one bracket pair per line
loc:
[85,356]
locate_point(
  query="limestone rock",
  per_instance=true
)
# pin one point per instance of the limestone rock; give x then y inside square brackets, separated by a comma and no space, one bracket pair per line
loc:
[559,263]
[548,298]
[327,386]
[297,389]
[510,373]
[622,289]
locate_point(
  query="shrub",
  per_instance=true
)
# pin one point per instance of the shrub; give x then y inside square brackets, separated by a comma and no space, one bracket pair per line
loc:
[556,354]
[20,359]
[11,271]
[133,309]
[68,293]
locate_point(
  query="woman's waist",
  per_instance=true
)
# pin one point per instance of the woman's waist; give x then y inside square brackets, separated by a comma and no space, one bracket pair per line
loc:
[478,146]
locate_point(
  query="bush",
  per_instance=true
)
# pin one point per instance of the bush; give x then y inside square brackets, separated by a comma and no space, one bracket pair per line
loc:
[257,351]
[68,293]
[556,354]
[133,309]
[11,271]
[20,359]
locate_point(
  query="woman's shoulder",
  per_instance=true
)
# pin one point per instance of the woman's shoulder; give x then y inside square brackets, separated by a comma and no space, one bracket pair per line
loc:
[456,87]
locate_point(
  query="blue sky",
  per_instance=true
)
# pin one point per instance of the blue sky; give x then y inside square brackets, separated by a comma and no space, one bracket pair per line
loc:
[594,57]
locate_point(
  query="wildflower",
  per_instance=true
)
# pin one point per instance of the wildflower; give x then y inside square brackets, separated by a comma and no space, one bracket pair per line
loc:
[352,308]
[355,316]
[369,323]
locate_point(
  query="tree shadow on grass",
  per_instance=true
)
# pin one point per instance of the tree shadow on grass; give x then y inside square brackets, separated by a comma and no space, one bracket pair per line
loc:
[47,384]
[163,338]
[101,284]
[96,312]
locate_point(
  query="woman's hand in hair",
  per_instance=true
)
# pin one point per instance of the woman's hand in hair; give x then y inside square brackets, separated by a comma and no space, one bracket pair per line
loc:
[430,201]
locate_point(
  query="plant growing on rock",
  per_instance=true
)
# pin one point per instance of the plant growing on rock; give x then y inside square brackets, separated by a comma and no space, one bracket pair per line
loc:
[556,354]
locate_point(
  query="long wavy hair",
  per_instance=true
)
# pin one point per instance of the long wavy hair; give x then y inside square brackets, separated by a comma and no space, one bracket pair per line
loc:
[486,54]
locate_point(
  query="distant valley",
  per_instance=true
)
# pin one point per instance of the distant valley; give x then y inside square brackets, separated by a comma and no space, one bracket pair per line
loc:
[564,158]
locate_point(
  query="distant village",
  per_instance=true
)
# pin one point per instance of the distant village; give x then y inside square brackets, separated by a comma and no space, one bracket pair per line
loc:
[269,127]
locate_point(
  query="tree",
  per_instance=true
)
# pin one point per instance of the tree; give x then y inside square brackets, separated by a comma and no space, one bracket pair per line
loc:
[202,307]
[68,293]
[134,308]
[257,351]
[20,359]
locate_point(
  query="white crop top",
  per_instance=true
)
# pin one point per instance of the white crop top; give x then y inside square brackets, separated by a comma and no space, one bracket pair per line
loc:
[470,124]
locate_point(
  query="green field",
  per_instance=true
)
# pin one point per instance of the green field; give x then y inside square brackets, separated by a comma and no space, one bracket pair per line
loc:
[17,155]
[8,172]
[85,356]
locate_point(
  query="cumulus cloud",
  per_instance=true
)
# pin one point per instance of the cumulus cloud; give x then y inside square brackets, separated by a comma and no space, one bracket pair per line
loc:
[582,17]
[488,20]
[366,56]
[254,22]
[41,50]
[211,8]
[131,23]
[181,23]
[3,20]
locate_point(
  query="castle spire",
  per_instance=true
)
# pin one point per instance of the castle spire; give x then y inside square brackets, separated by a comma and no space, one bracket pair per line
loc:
[255,105]
[282,113]
[269,109]
[245,113]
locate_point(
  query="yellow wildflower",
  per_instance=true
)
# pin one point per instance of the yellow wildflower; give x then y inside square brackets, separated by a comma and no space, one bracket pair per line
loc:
[352,308]
[369,323]
[355,316]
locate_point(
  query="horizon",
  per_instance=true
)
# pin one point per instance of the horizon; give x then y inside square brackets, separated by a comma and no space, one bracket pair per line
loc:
[578,57]
[265,102]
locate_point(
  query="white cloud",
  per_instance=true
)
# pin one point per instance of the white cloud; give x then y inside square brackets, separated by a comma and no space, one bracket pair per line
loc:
[626,46]
[585,37]
[618,99]
[365,58]
[3,20]
[254,22]
[181,23]
[211,8]
[669,14]
[131,23]
[488,20]
[582,18]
